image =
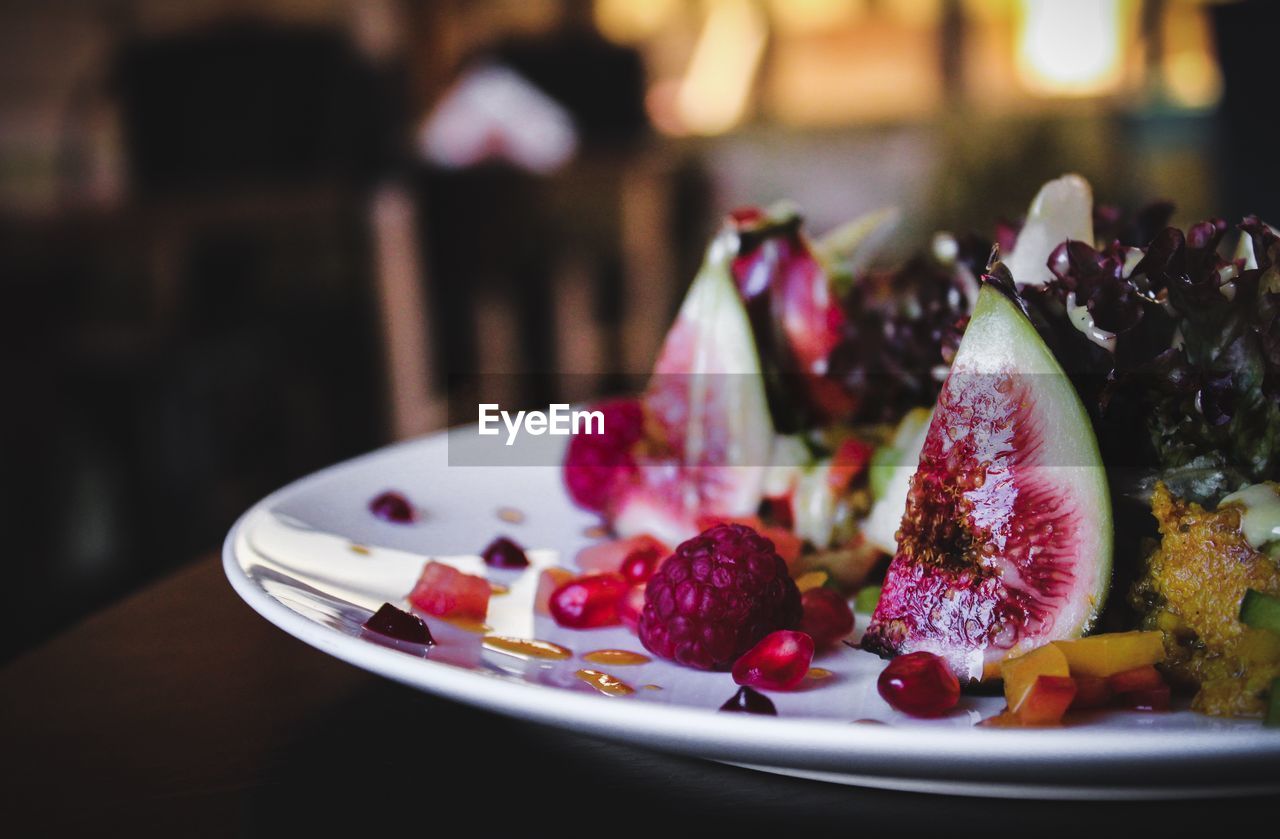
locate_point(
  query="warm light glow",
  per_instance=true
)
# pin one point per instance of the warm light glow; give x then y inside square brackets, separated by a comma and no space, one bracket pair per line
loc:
[1070,47]
[803,16]
[714,93]
[1192,78]
[631,21]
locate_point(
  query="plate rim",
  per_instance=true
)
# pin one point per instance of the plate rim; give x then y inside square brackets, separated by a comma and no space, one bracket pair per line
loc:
[813,744]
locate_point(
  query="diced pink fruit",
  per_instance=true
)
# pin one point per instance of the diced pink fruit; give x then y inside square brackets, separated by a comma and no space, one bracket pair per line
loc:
[588,602]
[610,556]
[445,591]
[779,662]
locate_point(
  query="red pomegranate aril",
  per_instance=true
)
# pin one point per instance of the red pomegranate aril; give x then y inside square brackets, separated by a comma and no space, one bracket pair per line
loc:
[1155,699]
[392,506]
[639,565]
[504,553]
[749,701]
[779,662]
[631,607]
[827,616]
[589,602]
[920,684]
[400,625]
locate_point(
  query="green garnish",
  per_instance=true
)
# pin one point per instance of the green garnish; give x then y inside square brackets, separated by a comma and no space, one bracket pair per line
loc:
[1261,611]
[867,599]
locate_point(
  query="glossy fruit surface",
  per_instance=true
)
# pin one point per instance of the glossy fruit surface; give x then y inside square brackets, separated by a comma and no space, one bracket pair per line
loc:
[400,625]
[588,602]
[750,701]
[445,591]
[394,507]
[920,684]
[1006,541]
[504,553]
[827,616]
[779,662]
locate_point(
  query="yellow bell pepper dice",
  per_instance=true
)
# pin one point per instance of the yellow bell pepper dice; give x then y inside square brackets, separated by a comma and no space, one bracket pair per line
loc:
[1020,673]
[1112,652]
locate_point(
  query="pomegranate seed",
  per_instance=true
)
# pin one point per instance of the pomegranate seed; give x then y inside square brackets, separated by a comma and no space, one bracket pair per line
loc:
[504,553]
[639,565]
[779,662]
[400,625]
[587,602]
[827,616]
[392,506]
[631,606]
[919,684]
[748,701]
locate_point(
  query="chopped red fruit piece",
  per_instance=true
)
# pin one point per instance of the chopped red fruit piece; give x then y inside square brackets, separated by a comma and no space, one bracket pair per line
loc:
[1155,699]
[609,556]
[920,684]
[631,607]
[848,462]
[1046,701]
[400,625]
[1091,692]
[548,581]
[748,701]
[445,591]
[588,602]
[779,662]
[827,616]
[597,467]
[1137,679]
[779,511]
[504,553]
[393,507]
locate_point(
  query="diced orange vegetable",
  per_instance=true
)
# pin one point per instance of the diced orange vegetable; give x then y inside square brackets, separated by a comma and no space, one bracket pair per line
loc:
[548,581]
[1113,652]
[1020,673]
[1091,692]
[1139,678]
[1046,701]
[811,579]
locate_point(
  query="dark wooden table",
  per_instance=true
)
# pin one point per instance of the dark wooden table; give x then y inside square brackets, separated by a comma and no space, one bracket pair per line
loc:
[179,711]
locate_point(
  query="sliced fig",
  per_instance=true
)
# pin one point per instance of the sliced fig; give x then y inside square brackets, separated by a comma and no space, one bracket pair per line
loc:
[1007,537]
[706,414]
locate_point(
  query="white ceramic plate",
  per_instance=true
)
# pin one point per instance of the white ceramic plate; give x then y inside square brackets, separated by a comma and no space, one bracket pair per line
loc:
[312,560]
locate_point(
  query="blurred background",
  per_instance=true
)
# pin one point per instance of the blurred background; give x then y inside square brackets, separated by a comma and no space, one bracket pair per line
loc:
[242,240]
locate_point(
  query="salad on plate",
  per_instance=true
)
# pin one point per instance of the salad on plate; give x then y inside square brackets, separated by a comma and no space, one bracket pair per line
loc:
[1046,461]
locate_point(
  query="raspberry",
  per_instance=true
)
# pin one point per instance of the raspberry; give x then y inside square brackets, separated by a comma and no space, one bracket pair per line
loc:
[597,466]
[716,597]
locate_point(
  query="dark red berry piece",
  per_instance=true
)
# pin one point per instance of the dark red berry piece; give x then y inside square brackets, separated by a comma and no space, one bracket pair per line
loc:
[597,467]
[638,565]
[400,625]
[392,506]
[779,662]
[920,684]
[504,553]
[716,597]
[750,701]
[588,602]
[827,616]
